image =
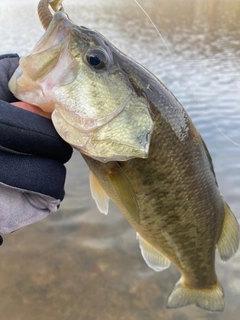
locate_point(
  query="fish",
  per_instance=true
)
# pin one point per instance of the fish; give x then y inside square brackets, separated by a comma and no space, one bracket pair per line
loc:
[143,151]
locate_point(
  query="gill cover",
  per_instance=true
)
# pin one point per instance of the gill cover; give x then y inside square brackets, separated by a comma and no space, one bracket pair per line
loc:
[72,73]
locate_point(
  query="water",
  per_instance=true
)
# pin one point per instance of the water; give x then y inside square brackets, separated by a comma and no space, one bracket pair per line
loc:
[79,264]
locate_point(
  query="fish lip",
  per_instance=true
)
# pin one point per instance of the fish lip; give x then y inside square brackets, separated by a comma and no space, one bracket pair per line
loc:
[62,24]
[60,16]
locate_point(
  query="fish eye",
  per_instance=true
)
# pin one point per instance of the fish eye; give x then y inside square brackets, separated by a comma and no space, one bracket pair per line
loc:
[97,58]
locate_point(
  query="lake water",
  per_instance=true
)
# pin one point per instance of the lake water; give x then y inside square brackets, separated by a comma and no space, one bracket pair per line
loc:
[79,264]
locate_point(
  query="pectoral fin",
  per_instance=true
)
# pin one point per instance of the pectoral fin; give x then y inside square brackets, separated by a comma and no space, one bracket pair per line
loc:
[124,190]
[229,239]
[98,194]
[153,258]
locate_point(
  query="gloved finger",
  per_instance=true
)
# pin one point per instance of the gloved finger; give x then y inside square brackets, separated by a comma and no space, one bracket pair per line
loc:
[8,64]
[32,154]
[28,133]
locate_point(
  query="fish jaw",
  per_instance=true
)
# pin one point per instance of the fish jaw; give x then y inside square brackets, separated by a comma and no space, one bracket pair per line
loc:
[95,109]
[28,79]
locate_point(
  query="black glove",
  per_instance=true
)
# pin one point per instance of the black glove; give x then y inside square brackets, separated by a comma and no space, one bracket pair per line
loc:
[32,157]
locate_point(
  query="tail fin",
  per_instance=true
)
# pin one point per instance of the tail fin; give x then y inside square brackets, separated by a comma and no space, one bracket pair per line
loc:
[210,299]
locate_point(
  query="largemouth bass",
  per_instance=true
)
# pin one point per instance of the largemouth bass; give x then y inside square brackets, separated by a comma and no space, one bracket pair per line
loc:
[143,151]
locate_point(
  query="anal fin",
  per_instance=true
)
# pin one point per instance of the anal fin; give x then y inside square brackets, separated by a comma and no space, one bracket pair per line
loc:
[228,242]
[98,194]
[153,258]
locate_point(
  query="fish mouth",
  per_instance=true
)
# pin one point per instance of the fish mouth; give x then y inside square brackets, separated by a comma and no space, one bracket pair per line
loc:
[57,31]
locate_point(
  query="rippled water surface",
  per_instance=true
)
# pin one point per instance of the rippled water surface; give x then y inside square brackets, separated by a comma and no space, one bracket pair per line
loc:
[79,264]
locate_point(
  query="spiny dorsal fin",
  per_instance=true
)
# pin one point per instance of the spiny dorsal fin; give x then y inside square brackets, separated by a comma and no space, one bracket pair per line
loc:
[229,239]
[153,258]
[98,194]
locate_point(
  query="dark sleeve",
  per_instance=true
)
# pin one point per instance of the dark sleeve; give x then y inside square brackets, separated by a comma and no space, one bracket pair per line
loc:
[9,63]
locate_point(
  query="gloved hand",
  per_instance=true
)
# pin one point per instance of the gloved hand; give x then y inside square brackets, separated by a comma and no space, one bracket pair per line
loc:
[32,157]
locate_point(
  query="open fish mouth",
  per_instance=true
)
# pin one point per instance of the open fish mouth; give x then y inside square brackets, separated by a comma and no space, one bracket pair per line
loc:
[73,73]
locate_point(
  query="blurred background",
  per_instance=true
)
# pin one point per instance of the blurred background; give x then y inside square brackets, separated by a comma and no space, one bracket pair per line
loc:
[80,264]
